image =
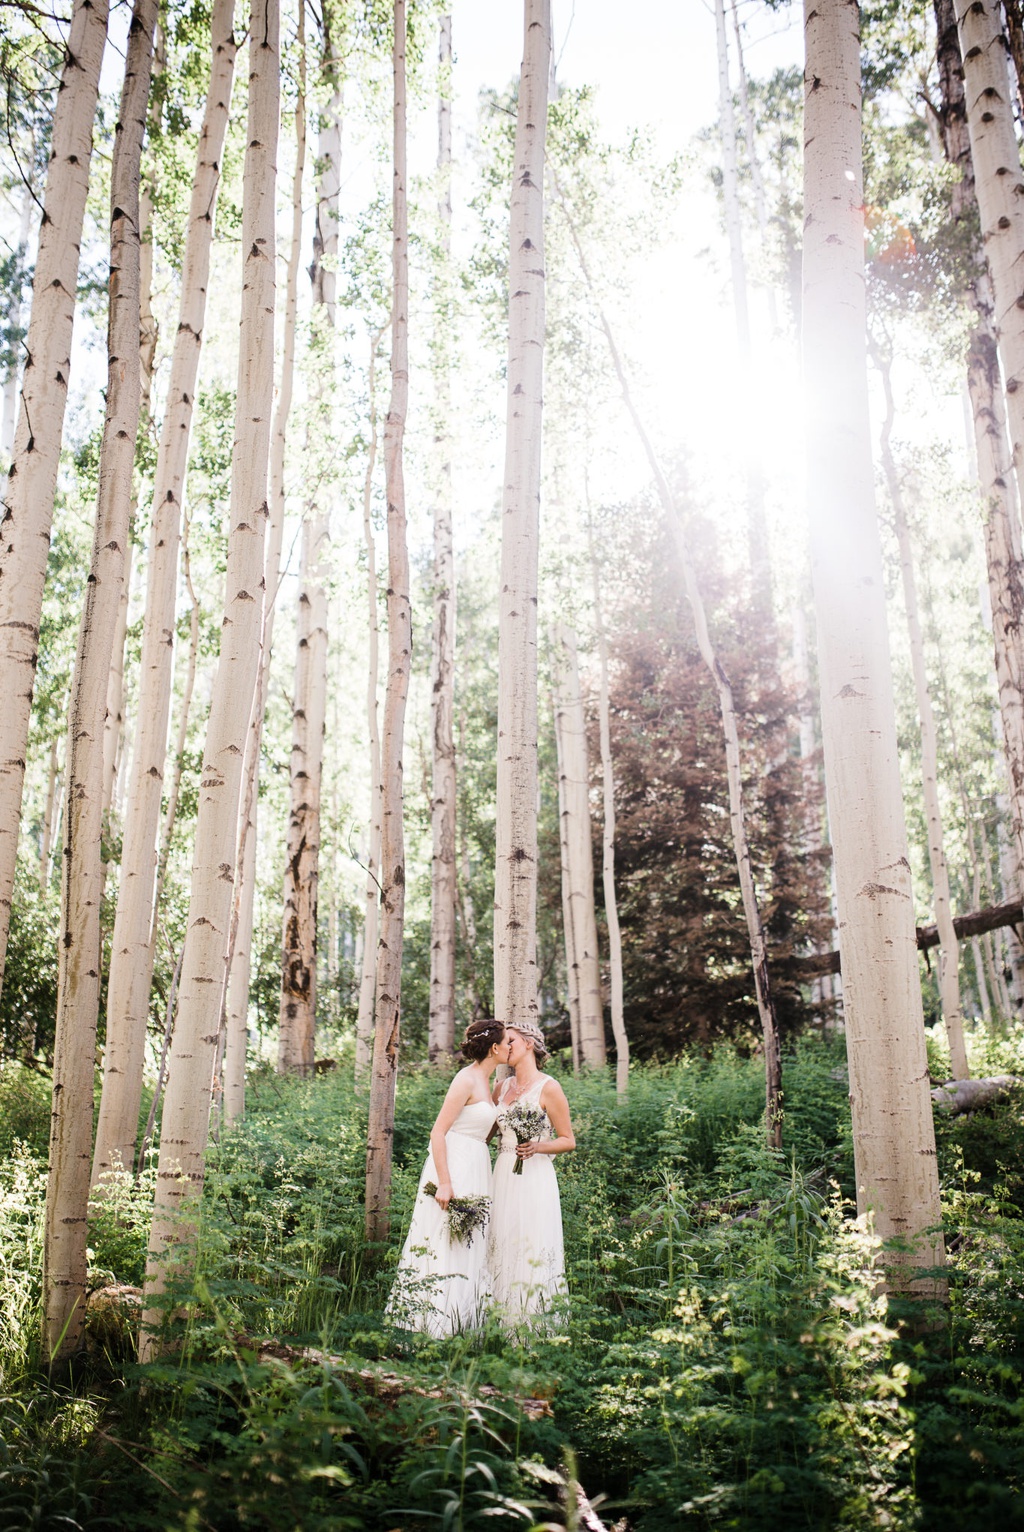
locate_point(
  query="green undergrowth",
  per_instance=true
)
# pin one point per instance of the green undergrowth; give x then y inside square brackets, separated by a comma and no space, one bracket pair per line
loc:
[724,1359]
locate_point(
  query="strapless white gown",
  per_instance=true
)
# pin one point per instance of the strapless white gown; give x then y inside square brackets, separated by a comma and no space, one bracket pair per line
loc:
[442,1285]
[525,1249]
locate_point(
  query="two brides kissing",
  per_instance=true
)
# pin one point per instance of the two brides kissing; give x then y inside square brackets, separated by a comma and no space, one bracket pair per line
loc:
[481,1238]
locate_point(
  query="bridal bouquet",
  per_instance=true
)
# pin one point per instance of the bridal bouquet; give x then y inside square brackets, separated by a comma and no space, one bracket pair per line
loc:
[527,1123]
[465,1214]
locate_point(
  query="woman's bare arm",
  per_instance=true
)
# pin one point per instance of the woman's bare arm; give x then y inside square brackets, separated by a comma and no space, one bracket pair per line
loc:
[459,1092]
[552,1099]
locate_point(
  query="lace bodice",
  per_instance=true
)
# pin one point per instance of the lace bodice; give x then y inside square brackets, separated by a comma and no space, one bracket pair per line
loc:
[529,1098]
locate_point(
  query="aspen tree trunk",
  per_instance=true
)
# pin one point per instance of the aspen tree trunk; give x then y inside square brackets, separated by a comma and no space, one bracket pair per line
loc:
[572,972]
[443,787]
[757,528]
[132,949]
[388,1000]
[323,273]
[28,504]
[78,974]
[298,981]
[611,902]
[297,1011]
[178,753]
[113,724]
[894,1139]
[995,462]
[464,889]
[575,772]
[187,1102]
[756,178]
[49,808]
[730,731]
[10,390]
[515,877]
[949,983]
[371,921]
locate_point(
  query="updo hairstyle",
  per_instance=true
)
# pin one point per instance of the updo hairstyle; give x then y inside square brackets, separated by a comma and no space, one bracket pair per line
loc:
[480,1037]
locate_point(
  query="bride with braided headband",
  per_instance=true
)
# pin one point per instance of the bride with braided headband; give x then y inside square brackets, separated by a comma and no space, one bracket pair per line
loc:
[525,1250]
[442,1284]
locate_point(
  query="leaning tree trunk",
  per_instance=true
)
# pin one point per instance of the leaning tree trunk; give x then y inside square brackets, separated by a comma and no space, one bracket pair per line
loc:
[515,872]
[79,963]
[28,507]
[371,922]
[10,387]
[443,786]
[186,1114]
[575,771]
[949,951]
[730,729]
[894,1139]
[611,902]
[388,1001]
[132,946]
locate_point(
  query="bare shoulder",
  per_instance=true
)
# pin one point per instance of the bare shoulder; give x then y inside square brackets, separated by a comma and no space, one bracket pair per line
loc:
[552,1092]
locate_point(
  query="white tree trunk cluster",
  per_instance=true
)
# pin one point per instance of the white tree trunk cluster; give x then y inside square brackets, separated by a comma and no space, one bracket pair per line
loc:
[32,480]
[203,977]
[79,951]
[582,956]
[132,952]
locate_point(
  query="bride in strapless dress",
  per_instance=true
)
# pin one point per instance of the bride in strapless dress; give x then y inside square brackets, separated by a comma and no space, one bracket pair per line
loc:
[442,1285]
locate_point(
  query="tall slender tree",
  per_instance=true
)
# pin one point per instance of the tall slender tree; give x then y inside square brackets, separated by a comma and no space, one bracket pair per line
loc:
[132,947]
[32,481]
[894,1140]
[79,972]
[949,951]
[186,1111]
[388,998]
[574,772]
[443,787]
[515,874]
[297,1009]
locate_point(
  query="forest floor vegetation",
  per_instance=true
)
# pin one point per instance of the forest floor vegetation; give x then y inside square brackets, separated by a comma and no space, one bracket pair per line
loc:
[725,1359]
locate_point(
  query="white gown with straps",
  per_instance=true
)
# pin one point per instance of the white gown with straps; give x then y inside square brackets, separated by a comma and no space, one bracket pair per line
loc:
[442,1284]
[525,1250]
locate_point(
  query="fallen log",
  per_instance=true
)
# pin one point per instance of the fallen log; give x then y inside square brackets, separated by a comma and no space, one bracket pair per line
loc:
[959,1096]
[976,923]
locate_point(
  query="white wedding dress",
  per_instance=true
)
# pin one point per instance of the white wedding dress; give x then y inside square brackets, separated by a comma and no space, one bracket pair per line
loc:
[525,1250]
[442,1284]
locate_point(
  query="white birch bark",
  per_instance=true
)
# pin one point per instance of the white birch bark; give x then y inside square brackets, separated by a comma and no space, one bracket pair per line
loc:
[113,724]
[371,919]
[181,736]
[756,178]
[949,952]
[186,1112]
[575,771]
[10,390]
[572,973]
[441,1029]
[297,1013]
[132,949]
[894,1140]
[515,878]
[49,809]
[611,902]
[28,503]
[388,1000]
[297,1019]
[79,961]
